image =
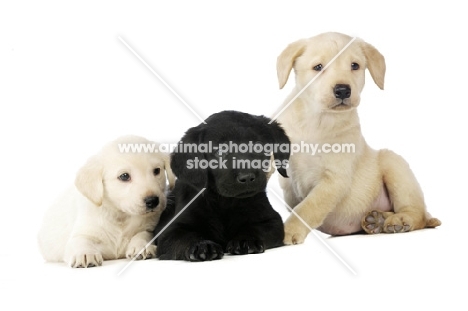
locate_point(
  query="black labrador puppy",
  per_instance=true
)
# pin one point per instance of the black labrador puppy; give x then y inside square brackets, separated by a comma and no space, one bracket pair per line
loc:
[225,164]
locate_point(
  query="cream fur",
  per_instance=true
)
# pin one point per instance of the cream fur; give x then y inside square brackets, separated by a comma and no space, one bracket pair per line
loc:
[102,217]
[337,192]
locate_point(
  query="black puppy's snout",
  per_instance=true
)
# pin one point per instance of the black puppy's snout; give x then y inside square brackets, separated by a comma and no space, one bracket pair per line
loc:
[151,202]
[245,177]
[342,91]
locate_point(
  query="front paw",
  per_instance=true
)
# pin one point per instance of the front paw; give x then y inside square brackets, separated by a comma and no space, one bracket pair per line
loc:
[294,234]
[204,251]
[140,251]
[85,260]
[245,246]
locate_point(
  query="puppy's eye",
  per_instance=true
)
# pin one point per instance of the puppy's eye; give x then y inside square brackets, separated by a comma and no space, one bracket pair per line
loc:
[318,67]
[124,177]
[354,66]
[156,171]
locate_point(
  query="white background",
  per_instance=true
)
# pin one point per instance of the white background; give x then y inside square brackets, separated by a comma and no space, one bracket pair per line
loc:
[68,85]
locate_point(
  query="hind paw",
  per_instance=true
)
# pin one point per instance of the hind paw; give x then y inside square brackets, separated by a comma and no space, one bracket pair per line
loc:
[373,222]
[397,223]
[386,222]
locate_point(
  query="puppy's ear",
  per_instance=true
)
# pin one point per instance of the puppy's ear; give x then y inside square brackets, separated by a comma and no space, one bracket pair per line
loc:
[375,64]
[89,180]
[169,174]
[184,162]
[281,153]
[285,61]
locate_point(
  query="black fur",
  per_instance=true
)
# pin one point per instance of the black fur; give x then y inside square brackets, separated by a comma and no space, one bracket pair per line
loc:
[233,215]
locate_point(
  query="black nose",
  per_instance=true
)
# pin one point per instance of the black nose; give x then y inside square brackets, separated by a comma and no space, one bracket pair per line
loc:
[342,91]
[151,203]
[245,177]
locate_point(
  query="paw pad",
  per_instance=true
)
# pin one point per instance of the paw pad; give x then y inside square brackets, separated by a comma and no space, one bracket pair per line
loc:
[373,222]
[397,228]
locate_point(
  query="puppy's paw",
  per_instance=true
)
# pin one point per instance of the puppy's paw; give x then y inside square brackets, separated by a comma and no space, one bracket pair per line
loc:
[373,222]
[245,246]
[85,260]
[294,234]
[293,238]
[386,222]
[398,223]
[204,251]
[140,252]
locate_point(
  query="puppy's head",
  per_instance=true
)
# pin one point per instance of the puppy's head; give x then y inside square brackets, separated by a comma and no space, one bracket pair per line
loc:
[337,79]
[231,154]
[130,181]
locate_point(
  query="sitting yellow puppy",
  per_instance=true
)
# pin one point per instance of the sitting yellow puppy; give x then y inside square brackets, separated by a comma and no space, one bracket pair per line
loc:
[344,192]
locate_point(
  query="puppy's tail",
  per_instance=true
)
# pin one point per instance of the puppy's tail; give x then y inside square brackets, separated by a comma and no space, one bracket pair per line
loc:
[432,222]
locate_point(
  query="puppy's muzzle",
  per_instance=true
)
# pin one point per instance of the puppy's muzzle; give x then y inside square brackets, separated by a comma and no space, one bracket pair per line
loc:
[151,203]
[342,91]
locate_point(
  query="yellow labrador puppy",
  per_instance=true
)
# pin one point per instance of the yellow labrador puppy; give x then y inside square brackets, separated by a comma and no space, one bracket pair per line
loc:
[341,193]
[113,209]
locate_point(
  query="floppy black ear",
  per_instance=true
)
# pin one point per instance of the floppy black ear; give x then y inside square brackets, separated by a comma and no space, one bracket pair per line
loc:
[185,157]
[284,146]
